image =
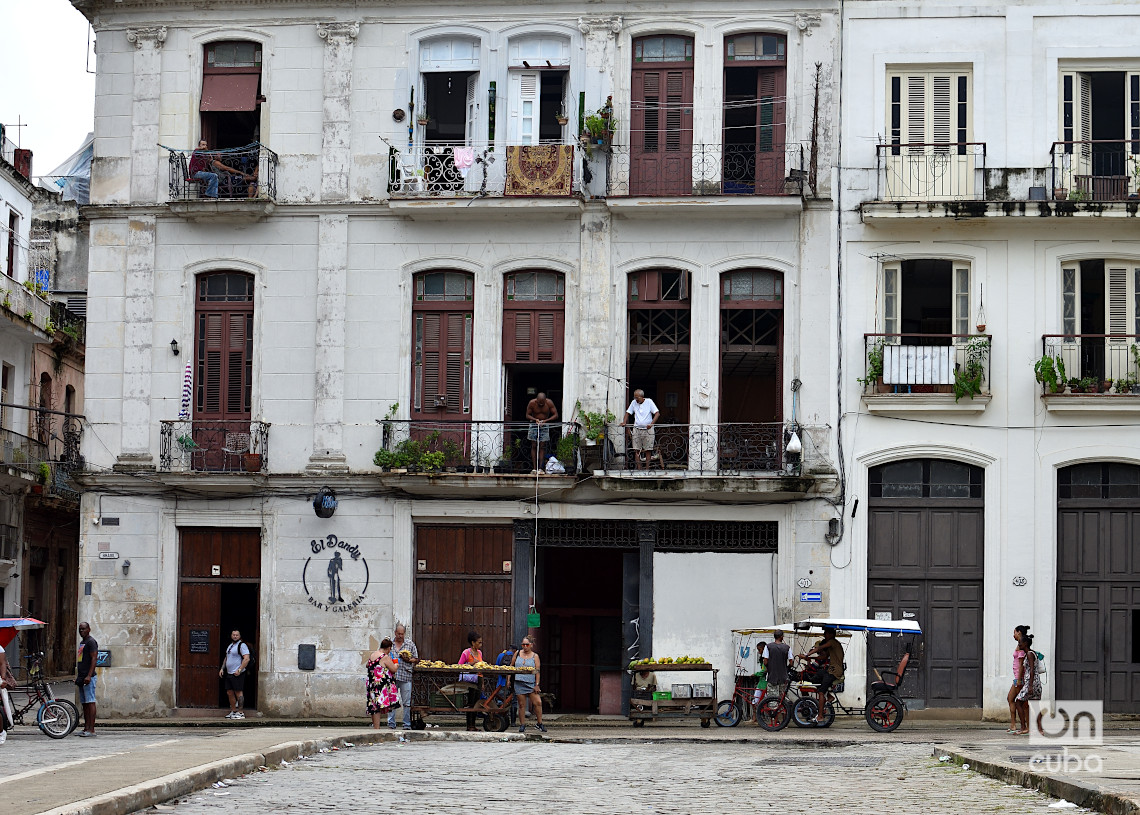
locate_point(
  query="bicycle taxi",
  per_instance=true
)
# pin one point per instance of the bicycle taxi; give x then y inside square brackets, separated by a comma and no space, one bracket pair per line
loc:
[56,718]
[884,710]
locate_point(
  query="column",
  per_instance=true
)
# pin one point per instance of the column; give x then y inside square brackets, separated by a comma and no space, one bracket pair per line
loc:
[646,543]
[596,331]
[522,568]
[144,112]
[336,137]
[332,284]
[138,340]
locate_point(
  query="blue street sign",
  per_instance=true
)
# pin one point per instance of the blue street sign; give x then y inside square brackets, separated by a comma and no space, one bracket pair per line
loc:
[811,597]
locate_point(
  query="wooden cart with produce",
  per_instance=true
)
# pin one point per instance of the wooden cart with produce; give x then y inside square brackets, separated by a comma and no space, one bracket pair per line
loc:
[682,701]
[438,688]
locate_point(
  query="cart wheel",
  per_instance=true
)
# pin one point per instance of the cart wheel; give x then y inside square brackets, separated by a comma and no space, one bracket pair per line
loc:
[884,713]
[706,723]
[773,715]
[639,722]
[728,713]
[55,720]
[418,723]
[804,713]
[491,723]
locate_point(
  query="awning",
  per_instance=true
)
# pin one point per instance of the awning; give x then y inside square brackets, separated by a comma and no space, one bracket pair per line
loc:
[229,91]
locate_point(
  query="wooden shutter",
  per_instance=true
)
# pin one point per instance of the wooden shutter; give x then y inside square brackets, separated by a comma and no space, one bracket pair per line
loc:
[533,335]
[892,298]
[1132,114]
[223,382]
[916,111]
[442,365]
[961,302]
[1118,302]
[645,118]
[929,107]
[472,108]
[524,107]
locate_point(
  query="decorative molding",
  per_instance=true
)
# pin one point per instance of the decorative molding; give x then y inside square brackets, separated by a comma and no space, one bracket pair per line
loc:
[806,22]
[154,36]
[341,31]
[588,25]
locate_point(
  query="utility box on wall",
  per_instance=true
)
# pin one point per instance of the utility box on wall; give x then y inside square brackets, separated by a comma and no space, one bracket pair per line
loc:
[306,657]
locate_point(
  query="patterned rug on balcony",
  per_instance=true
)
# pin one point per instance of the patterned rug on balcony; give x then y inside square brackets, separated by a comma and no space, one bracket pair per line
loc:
[539,169]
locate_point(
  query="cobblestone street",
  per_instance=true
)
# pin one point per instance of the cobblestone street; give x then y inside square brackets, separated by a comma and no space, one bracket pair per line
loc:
[626,777]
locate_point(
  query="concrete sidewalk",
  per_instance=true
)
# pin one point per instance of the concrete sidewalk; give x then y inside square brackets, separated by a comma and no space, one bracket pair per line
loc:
[131,765]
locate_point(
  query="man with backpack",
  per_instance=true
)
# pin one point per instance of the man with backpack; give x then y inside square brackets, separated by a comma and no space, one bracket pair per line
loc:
[233,674]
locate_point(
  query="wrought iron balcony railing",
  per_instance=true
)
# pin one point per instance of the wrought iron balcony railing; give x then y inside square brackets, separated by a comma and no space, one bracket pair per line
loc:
[69,323]
[504,448]
[453,170]
[931,172]
[55,440]
[926,363]
[1091,363]
[1095,170]
[214,446]
[705,169]
[242,173]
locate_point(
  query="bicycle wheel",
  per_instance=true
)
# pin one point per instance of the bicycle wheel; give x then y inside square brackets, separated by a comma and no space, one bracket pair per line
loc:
[773,714]
[55,720]
[803,712]
[73,710]
[884,713]
[728,713]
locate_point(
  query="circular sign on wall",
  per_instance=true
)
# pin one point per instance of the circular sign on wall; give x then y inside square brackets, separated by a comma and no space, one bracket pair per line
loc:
[339,577]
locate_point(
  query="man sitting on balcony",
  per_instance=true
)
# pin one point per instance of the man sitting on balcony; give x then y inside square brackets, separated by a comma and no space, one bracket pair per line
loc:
[540,411]
[645,414]
[205,167]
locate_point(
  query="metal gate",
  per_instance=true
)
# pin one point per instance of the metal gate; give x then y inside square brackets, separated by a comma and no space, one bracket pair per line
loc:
[1098,585]
[925,549]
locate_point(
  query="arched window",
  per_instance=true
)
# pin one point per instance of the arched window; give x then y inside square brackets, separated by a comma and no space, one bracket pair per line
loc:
[231,93]
[534,321]
[539,102]
[442,314]
[223,347]
[755,87]
[43,418]
[659,337]
[448,103]
[751,346]
[661,116]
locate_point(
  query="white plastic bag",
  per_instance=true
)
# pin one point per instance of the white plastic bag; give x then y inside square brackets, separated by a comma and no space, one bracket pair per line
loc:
[554,467]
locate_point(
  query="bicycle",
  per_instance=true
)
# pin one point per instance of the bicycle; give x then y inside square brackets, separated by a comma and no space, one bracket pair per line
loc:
[56,718]
[730,712]
[775,709]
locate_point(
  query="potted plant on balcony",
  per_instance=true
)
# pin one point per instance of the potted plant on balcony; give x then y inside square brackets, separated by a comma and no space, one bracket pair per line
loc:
[874,377]
[423,119]
[562,118]
[1088,384]
[566,451]
[1047,373]
[251,462]
[969,378]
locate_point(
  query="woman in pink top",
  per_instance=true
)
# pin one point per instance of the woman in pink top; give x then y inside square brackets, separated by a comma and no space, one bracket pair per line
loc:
[471,655]
[1015,688]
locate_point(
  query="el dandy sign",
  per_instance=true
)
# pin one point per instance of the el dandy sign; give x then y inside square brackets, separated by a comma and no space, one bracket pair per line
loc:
[342,582]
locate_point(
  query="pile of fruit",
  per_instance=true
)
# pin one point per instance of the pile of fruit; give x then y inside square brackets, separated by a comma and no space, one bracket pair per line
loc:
[669,661]
[406,654]
[476,666]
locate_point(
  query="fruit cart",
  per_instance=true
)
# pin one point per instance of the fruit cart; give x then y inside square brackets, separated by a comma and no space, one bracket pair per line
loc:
[437,689]
[686,701]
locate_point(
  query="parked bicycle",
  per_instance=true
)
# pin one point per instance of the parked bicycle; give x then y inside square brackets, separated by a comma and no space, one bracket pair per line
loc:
[56,718]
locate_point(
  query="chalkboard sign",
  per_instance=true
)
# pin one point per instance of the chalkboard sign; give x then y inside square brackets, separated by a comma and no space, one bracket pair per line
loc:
[306,657]
[199,641]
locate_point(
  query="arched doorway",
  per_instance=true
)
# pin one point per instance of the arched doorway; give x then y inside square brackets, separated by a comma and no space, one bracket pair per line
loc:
[925,544]
[1098,584]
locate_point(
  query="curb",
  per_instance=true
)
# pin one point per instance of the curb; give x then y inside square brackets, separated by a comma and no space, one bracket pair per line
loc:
[175,785]
[1083,794]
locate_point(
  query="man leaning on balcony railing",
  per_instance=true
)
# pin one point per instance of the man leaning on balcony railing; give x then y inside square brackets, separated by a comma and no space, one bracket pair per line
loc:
[206,168]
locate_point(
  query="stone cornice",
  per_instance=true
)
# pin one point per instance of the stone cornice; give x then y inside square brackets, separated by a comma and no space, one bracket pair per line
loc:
[153,35]
[338,31]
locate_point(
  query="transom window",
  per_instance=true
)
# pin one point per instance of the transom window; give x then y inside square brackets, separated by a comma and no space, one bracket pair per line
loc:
[659,285]
[754,48]
[225,288]
[233,54]
[536,286]
[752,284]
[445,286]
[926,478]
[1099,480]
[663,49]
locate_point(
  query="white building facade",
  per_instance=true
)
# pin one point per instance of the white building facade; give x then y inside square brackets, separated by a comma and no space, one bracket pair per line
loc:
[410,240]
[989,196]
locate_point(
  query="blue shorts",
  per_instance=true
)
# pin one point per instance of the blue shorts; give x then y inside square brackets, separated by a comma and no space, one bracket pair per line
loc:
[539,432]
[87,692]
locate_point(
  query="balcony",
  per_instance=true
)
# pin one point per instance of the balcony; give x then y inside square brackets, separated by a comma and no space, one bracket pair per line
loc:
[1097,171]
[931,172]
[926,372]
[26,309]
[209,446]
[712,176]
[456,180]
[51,454]
[247,184]
[70,328]
[1090,373]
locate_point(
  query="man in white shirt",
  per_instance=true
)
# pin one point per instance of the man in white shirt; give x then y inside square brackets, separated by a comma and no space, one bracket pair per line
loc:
[645,415]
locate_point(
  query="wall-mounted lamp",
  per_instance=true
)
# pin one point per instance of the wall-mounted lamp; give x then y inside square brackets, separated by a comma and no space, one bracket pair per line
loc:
[174,347]
[325,503]
[832,536]
[126,567]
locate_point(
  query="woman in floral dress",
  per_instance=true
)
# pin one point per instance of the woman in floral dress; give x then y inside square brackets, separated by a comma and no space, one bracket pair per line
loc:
[382,692]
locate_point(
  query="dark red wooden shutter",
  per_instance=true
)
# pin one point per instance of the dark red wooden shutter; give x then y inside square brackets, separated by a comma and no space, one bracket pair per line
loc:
[771,86]
[223,349]
[443,365]
[661,132]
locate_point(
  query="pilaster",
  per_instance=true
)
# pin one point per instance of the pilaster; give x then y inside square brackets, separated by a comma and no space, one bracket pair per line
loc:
[646,543]
[598,298]
[144,111]
[138,342]
[336,137]
[332,286]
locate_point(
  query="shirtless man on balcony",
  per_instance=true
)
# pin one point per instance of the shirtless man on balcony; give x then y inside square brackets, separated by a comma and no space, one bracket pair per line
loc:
[540,411]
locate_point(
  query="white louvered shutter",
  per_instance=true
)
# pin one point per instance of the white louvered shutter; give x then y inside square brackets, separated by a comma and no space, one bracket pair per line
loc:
[962,302]
[472,108]
[892,297]
[524,107]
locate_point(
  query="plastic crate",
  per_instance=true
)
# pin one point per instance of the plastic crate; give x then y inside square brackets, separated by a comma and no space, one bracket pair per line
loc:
[682,691]
[702,690]
[662,694]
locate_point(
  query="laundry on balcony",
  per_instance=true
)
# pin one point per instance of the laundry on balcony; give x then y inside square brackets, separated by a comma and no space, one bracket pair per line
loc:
[540,169]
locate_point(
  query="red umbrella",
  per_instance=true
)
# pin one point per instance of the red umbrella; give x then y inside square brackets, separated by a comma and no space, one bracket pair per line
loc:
[10,625]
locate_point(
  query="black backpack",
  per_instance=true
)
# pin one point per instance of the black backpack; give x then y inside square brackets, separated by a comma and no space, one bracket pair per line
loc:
[239,644]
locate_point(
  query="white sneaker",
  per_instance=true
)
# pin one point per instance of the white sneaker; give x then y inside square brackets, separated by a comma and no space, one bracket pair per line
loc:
[239,715]
[3,736]
[230,715]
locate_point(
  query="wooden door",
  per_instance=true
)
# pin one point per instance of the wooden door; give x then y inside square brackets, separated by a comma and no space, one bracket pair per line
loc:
[204,621]
[770,131]
[925,563]
[442,366]
[661,132]
[461,586]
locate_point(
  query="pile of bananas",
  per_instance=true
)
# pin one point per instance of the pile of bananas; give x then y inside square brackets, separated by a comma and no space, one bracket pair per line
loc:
[669,661]
[406,654]
[477,666]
